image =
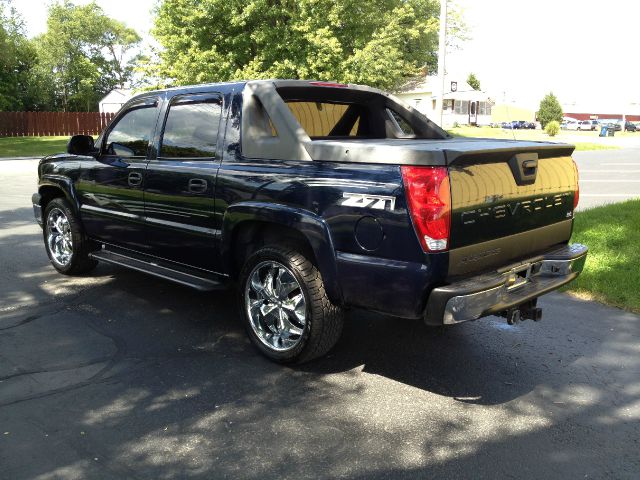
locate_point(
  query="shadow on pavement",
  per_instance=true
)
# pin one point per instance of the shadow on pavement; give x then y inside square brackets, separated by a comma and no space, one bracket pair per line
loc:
[120,375]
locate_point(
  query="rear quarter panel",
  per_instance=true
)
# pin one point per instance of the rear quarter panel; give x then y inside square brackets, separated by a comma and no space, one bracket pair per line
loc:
[382,267]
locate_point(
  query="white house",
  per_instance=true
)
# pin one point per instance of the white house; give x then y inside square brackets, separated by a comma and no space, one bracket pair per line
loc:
[462,104]
[112,102]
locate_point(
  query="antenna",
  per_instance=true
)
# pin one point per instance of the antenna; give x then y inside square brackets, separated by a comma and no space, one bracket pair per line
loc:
[442,51]
[506,106]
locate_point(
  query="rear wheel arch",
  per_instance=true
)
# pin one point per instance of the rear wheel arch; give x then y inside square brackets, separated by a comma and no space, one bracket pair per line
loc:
[251,235]
[256,224]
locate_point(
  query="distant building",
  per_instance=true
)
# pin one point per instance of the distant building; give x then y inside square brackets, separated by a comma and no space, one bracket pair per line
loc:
[508,112]
[464,106]
[114,100]
[602,110]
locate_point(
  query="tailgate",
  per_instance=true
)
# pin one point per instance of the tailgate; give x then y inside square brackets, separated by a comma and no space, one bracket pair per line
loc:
[507,208]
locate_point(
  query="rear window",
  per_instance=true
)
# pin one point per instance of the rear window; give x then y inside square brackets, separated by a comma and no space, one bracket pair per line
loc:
[320,119]
[345,113]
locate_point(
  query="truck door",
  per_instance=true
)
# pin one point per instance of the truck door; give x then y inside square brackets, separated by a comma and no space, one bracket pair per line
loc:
[110,188]
[180,183]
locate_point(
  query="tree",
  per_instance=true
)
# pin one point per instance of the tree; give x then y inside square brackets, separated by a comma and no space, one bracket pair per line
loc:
[380,42]
[83,55]
[473,81]
[17,61]
[550,110]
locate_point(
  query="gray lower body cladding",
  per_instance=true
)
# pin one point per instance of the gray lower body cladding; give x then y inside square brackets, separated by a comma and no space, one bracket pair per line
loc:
[491,293]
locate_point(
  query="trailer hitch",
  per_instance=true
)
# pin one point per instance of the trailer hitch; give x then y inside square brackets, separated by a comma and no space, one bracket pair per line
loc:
[526,311]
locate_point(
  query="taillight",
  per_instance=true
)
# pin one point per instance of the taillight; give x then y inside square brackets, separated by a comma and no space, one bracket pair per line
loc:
[429,199]
[576,195]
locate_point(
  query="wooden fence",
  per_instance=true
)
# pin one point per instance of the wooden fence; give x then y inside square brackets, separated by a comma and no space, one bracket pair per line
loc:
[38,124]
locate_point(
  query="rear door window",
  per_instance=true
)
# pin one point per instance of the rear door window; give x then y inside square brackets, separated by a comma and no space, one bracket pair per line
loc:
[191,128]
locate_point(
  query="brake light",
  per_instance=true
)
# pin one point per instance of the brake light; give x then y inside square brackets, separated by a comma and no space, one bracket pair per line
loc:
[328,84]
[576,194]
[428,196]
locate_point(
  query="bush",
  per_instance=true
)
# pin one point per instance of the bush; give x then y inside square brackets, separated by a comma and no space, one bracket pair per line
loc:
[552,128]
[456,125]
[550,110]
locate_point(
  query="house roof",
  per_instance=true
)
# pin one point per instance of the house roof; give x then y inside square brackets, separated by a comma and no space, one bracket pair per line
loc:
[429,85]
[117,95]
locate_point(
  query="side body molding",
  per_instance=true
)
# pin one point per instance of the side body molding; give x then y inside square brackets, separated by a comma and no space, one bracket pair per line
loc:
[310,225]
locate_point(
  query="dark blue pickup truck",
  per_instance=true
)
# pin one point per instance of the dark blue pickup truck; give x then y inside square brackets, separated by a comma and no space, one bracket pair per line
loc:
[310,198]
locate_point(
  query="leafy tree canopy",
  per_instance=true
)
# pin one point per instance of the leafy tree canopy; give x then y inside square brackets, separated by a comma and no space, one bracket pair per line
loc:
[550,110]
[473,81]
[377,42]
[83,55]
[17,59]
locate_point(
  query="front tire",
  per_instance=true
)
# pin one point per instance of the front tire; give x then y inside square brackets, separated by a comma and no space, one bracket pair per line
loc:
[285,308]
[65,241]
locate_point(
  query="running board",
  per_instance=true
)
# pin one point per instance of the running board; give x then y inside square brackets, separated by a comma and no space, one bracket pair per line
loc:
[200,281]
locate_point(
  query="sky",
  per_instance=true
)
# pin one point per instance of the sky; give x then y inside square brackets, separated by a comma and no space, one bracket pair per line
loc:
[585,51]
[134,13]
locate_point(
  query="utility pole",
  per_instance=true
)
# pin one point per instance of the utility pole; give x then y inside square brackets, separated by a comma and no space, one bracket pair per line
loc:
[442,51]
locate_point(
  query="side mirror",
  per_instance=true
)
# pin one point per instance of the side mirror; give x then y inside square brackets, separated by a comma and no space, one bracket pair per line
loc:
[81,145]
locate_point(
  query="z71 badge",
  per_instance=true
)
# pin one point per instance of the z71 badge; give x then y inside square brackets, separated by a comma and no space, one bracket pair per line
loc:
[363,200]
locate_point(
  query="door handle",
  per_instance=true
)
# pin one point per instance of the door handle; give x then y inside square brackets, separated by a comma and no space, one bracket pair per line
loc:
[197,185]
[134,179]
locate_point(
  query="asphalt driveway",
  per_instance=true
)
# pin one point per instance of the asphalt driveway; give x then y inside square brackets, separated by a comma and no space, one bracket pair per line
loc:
[119,375]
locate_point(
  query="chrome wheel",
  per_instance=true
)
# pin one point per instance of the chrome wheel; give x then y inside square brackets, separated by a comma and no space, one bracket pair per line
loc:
[276,306]
[59,237]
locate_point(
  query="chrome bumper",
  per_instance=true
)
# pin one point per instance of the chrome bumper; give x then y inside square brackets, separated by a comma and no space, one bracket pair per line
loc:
[507,288]
[37,209]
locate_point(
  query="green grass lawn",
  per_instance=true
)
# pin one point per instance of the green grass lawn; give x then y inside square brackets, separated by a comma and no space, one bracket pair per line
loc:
[538,136]
[593,146]
[612,271]
[32,146]
[41,146]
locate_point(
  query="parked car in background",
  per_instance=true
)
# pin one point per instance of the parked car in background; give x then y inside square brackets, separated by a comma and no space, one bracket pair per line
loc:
[507,125]
[588,125]
[630,127]
[569,124]
[613,123]
[522,125]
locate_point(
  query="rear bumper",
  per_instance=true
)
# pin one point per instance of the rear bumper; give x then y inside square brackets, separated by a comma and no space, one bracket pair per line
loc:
[37,209]
[509,287]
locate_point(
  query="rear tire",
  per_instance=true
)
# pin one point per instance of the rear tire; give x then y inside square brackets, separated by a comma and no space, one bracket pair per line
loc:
[66,244]
[285,308]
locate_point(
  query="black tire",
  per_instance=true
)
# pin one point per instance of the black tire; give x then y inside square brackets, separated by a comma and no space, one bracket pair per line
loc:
[324,320]
[79,261]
